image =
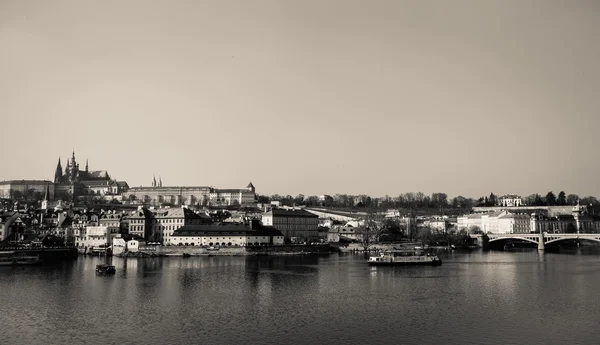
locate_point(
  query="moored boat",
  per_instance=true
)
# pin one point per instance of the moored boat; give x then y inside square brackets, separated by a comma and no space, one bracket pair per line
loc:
[27,260]
[404,257]
[105,269]
[13,259]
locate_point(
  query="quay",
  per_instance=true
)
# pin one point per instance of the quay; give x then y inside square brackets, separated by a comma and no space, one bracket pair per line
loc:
[161,251]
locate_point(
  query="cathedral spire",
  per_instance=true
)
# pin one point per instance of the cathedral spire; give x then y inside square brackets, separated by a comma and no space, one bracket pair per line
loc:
[159,181]
[86,166]
[153,180]
[58,174]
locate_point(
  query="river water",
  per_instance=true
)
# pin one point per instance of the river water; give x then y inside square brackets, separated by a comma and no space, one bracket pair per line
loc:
[473,298]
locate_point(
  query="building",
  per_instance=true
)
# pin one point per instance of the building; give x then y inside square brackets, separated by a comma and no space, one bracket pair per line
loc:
[510,200]
[26,189]
[437,223]
[164,222]
[325,200]
[577,222]
[157,194]
[140,222]
[95,236]
[296,225]
[73,182]
[227,197]
[499,222]
[514,223]
[226,235]
[8,224]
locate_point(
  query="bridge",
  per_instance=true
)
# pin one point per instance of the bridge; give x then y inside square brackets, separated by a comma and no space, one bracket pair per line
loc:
[541,239]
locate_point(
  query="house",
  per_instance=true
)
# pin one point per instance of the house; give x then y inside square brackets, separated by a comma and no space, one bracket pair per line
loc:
[295,224]
[226,235]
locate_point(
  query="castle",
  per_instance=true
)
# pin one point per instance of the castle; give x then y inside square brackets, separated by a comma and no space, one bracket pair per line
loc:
[72,173]
[73,182]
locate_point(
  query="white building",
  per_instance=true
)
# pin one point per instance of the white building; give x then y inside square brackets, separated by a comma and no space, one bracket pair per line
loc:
[501,222]
[226,235]
[514,223]
[244,196]
[95,236]
[510,200]
[469,222]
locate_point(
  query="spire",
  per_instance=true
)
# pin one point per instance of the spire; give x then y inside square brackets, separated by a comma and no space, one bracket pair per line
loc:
[153,180]
[159,181]
[58,174]
[86,166]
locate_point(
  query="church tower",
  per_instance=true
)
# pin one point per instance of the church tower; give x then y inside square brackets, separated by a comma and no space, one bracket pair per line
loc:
[153,181]
[46,196]
[58,174]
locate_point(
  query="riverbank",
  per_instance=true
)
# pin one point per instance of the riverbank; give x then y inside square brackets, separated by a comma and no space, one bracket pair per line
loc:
[169,251]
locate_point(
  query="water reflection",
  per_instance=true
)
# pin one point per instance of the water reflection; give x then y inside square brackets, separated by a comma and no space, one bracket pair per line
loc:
[507,297]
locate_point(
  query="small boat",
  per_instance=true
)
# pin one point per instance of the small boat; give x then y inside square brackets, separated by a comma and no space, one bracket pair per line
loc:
[27,260]
[105,269]
[186,255]
[404,257]
[14,259]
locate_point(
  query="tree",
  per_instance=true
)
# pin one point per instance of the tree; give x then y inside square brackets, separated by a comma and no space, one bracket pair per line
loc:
[439,200]
[370,231]
[538,201]
[312,200]
[492,200]
[263,199]
[561,200]
[550,199]
[412,228]
[572,199]
[475,230]
[17,195]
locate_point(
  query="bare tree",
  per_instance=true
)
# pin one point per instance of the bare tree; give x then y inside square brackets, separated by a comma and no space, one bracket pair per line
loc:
[371,229]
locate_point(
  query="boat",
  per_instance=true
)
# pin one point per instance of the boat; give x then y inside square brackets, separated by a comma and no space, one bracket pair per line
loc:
[105,269]
[13,259]
[27,260]
[404,257]
[186,255]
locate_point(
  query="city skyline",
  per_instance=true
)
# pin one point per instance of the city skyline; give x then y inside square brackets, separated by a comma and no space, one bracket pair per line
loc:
[306,97]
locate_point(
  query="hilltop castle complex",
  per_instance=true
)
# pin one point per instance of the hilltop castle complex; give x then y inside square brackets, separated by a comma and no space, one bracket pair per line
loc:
[73,183]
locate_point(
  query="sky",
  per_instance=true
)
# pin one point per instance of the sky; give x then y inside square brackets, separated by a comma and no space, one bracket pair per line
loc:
[306,96]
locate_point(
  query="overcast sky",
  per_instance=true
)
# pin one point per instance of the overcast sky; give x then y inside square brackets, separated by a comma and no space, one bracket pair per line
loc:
[303,96]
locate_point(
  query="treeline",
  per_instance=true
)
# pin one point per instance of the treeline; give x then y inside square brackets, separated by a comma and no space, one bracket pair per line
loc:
[416,200]
[550,199]
[420,200]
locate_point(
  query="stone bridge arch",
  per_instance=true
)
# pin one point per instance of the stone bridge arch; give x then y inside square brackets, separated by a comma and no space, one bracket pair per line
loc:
[552,239]
[532,239]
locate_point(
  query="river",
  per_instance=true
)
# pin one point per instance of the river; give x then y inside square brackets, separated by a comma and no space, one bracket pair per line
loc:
[522,297]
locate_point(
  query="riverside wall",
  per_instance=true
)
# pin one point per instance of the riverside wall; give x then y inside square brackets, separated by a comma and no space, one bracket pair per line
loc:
[231,251]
